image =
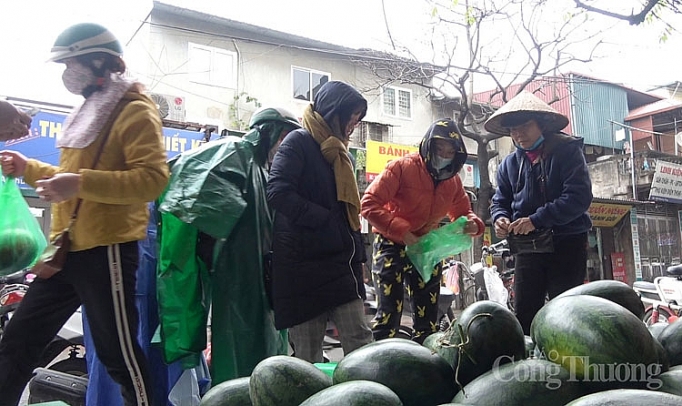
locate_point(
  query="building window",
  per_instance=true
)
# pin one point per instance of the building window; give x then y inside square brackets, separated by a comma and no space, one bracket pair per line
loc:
[371,131]
[397,102]
[307,82]
[212,66]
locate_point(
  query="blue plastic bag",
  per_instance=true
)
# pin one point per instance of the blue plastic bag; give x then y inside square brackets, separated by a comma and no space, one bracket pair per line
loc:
[437,245]
[21,238]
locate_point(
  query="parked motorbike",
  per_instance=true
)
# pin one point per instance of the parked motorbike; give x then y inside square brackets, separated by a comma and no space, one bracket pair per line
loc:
[662,298]
[473,281]
[13,287]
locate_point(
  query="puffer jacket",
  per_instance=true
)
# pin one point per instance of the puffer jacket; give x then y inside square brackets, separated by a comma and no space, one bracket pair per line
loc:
[405,197]
[563,204]
[131,171]
[314,248]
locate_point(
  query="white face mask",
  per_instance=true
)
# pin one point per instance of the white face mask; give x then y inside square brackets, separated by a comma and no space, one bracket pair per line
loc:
[439,162]
[77,77]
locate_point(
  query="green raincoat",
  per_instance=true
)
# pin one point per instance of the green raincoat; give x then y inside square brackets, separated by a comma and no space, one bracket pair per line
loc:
[218,189]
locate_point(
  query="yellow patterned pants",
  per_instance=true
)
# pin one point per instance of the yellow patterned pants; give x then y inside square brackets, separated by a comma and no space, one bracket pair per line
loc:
[397,283]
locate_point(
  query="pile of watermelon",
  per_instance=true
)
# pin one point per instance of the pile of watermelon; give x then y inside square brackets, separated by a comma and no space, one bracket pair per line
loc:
[588,346]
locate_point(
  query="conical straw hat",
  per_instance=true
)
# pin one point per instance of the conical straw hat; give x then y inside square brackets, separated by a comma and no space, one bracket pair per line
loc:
[552,121]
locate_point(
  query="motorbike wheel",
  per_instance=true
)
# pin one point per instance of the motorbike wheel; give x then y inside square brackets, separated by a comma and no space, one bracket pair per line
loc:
[663,316]
[481,295]
[468,297]
[446,320]
[73,366]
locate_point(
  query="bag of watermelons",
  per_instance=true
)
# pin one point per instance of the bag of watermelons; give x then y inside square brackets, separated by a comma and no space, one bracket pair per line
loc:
[21,239]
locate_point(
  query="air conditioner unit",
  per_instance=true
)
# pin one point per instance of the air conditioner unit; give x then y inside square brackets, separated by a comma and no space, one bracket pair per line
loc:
[170,107]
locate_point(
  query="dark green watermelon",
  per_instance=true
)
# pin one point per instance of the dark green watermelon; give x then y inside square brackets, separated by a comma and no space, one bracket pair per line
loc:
[354,393]
[18,250]
[615,291]
[281,380]
[234,392]
[529,382]
[671,340]
[440,344]
[417,375]
[484,333]
[628,397]
[670,382]
[590,336]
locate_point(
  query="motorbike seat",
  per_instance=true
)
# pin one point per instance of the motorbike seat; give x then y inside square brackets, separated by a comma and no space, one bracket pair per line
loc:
[16,277]
[644,285]
[675,270]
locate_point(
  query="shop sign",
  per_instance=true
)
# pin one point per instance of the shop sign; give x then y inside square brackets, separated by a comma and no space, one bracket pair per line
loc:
[618,267]
[381,153]
[606,214]
[46,127]
[667,182]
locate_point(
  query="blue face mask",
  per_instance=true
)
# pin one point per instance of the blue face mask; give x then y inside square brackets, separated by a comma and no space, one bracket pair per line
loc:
[440,162]
[535,145]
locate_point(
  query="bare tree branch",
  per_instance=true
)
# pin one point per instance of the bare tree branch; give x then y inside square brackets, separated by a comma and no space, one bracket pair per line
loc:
[632,18]
[506,43]
[388,30]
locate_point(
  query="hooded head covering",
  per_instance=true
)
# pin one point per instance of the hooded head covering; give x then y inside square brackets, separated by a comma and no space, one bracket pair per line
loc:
[444,129]
[335,102]
[521,108]
[326,121]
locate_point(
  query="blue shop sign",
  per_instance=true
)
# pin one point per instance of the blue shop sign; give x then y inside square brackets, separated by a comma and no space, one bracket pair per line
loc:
[45,127]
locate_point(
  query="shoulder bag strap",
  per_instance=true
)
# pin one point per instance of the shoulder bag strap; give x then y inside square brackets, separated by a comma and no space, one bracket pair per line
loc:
[105,136]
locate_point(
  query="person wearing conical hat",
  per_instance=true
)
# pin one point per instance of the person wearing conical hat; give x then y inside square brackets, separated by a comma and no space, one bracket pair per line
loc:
[543,185]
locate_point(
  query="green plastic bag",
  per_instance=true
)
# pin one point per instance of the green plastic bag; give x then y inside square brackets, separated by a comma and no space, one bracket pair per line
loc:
[21,239]
[437,245]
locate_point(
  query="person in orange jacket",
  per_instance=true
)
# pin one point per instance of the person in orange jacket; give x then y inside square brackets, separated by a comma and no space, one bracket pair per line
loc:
[406,201]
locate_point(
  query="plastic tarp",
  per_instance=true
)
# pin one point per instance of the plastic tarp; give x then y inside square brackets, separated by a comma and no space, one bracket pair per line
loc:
[218,189]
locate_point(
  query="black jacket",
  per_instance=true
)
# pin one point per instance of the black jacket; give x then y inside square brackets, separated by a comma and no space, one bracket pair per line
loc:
[314,248]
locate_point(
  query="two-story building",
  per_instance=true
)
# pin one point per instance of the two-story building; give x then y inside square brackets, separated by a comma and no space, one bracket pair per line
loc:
[205,71]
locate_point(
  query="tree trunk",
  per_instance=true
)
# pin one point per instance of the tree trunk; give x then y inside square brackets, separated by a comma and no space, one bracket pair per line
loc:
[485,192]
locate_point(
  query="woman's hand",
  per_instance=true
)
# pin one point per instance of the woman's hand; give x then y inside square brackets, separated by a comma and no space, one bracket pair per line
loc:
[58,188]
[12,163]
[470,227]
[410,238]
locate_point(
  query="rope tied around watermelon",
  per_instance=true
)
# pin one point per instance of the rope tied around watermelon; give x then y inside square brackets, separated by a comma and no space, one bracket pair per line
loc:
[464,340]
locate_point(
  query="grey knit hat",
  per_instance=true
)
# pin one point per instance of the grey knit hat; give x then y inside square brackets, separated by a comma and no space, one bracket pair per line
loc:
[525,102]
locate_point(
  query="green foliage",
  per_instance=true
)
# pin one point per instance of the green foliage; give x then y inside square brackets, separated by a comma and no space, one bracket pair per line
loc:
[235,121]
[360,159]
[470,17]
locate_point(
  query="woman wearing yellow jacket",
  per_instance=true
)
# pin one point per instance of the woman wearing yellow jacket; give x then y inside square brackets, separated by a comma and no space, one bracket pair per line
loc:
[99,272]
